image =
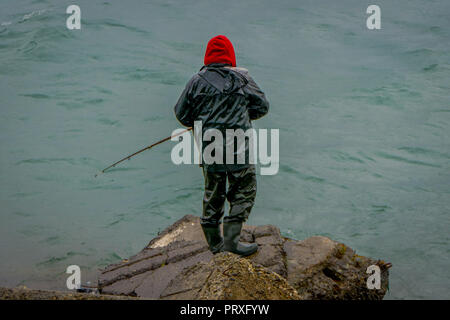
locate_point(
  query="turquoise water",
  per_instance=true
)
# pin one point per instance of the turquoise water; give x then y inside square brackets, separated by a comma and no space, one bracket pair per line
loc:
[363,116]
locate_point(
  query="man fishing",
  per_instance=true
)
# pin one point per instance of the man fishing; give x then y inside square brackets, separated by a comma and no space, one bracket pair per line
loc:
[222,97]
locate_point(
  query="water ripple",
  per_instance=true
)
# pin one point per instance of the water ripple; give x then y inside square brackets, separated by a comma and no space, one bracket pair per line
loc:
[406,160]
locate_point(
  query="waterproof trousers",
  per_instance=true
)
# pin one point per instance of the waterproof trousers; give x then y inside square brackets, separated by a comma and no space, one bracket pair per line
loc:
[241,195]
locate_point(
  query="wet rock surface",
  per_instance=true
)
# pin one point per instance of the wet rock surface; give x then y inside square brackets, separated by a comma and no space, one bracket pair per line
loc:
[178,265]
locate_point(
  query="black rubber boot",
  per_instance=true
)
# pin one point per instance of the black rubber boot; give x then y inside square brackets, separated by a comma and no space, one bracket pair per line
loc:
[231,235]
[214,239]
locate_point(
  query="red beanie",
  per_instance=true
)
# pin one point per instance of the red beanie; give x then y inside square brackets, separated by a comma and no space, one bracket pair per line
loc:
[220,50]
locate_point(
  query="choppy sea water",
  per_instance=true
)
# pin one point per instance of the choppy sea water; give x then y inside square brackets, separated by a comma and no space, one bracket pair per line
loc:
[363,116]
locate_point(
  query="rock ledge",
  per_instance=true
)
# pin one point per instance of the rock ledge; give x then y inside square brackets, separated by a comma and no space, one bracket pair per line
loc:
[178,265]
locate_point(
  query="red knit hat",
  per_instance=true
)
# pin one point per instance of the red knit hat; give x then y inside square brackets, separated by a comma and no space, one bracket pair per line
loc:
[220,50]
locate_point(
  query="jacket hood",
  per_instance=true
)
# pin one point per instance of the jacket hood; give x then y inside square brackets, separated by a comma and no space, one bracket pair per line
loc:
[220,50]
[223,78]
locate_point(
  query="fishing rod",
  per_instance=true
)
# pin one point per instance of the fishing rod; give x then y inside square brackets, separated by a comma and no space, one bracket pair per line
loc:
[143,149]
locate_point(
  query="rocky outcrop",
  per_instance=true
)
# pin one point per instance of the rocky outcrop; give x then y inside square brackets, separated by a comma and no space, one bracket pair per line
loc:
[23,293]
[320,268]
[228,277]
[178,265]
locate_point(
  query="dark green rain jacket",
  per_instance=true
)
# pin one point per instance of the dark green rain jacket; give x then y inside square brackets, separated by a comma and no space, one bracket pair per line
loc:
[222,97]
